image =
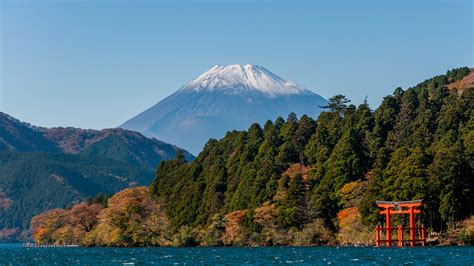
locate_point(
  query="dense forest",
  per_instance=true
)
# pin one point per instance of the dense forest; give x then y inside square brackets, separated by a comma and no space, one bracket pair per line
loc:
[305,181]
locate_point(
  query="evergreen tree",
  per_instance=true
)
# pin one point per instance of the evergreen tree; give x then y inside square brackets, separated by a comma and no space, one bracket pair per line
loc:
[337,104]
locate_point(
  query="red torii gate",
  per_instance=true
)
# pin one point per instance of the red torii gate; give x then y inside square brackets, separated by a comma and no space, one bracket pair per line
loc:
[399,207]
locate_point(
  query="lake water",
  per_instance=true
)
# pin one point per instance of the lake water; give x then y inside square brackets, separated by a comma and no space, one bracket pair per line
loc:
[15,254]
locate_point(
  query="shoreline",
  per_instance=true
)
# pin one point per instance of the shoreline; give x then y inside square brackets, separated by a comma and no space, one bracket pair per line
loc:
[33,246]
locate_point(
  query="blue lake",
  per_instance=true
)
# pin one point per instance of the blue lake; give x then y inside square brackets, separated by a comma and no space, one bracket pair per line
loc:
[15,254]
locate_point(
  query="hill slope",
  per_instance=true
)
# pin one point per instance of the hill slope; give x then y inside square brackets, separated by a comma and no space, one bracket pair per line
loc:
[118,144]
[44,168]
[223,98]
[18,136]
[36,181]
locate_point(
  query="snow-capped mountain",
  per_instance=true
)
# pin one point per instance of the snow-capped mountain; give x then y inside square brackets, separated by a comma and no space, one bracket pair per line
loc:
[223,98]
[238,78]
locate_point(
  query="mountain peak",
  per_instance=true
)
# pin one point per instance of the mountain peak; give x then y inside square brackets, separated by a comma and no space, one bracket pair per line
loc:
[248,77]
[222,99]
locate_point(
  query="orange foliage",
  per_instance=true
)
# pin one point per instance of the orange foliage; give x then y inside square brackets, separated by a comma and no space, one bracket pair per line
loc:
[352,231]
[133,217]
[266,215]
[348,216]
[65,226]
[83,216]
[466,82]
[233,231]
[44,224]
[296,169]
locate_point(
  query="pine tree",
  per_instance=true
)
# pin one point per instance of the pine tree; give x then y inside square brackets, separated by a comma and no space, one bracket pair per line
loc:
[337,104]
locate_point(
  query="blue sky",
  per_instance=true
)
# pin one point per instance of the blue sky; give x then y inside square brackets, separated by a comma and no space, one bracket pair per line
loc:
[95,64]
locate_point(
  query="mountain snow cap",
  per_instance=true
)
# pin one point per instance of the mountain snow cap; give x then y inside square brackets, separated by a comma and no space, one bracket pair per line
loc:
[236,78]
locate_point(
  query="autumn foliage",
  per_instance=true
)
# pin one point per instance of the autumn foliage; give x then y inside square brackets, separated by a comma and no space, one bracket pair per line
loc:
[131,218]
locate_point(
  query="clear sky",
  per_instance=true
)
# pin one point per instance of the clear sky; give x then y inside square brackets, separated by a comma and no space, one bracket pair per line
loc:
[95,64]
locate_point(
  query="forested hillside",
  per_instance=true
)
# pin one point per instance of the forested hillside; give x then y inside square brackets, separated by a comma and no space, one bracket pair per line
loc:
[306,181]
[33,182]
[418,144]
[43,168]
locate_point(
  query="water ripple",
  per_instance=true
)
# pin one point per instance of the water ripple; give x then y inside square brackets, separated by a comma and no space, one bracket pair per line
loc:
[17,255]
